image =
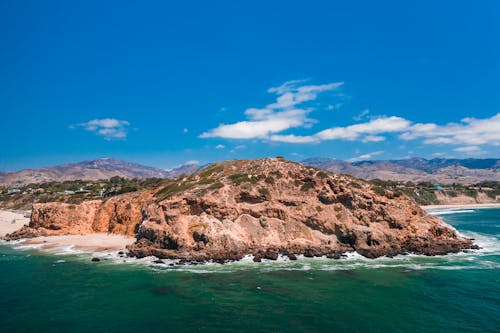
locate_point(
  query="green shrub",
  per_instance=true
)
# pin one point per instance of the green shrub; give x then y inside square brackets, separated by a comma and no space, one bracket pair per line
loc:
[307,186]
[277,174]
[269,180]
[263,191]
[216,186]
[322,174]
[378,190]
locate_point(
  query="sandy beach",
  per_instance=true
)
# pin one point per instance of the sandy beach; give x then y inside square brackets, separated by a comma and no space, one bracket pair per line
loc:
[11,221]
[461,206]
[84,243]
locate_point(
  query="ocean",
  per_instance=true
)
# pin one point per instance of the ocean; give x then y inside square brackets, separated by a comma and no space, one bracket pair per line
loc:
[66,292]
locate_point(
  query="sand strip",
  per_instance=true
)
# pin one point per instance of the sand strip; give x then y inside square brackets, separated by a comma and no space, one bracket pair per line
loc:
[85,243]
[461,206]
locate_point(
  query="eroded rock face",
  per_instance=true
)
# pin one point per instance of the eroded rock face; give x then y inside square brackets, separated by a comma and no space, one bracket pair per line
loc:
[118,215]
[264,207]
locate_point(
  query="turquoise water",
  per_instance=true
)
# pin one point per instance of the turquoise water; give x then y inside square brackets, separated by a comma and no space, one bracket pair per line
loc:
[42,292]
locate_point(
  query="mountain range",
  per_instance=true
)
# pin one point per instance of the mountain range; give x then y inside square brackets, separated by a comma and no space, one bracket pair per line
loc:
[438,170]
[444,171]
[103,168]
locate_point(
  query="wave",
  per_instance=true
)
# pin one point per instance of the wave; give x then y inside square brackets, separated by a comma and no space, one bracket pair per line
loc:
[450,211]
[475,259]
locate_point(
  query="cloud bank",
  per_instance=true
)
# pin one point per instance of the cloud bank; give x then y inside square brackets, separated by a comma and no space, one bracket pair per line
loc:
[291,111]
[284,114]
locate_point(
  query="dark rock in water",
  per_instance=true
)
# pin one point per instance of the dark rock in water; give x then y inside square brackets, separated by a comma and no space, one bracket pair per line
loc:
[292,256]
[120,252]
[309,253]
[257,258]
[158,261]
[334,256]
[271,254]
[95,259]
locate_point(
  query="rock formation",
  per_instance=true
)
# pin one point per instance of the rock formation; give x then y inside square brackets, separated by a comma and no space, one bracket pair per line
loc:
[264,207]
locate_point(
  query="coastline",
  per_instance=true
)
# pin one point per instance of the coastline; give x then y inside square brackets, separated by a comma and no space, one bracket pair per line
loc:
[11,221]
[428,208]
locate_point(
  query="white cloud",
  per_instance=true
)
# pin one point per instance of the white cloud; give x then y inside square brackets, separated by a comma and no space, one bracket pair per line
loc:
[185,130]
[335,106]
[262,123]
[468,149]
[276,117]
[235,149]
[373,138]
[366,156]
[357,131]
[220,147]
[470,131]
[109,128]
[362,115]
[291,110]
[290,138]
[291,94]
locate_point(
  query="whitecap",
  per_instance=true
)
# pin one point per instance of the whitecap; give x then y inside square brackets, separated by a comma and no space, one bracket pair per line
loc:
[450,211]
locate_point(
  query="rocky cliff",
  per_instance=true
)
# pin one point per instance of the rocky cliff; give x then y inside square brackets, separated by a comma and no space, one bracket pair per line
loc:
[264,207]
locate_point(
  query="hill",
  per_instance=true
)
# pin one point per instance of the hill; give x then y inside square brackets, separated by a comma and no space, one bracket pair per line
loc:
[263,207]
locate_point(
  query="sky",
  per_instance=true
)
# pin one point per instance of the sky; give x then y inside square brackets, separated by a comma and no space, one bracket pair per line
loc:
[166,82]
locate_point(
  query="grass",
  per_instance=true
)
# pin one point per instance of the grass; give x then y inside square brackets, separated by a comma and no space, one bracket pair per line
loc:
[263,191]
[269,180]
[239,178]
[172,189]
[215,186]
[378,190]
[307,186]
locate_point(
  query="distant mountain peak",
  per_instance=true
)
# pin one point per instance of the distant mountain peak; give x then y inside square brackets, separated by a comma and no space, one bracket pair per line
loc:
[416,169]
[102,168]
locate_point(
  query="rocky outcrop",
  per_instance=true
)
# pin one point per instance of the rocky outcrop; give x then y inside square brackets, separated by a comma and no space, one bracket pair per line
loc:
[264,207]
[118,215]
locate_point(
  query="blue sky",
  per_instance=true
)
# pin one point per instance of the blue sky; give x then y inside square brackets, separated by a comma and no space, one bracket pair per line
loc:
[162,83]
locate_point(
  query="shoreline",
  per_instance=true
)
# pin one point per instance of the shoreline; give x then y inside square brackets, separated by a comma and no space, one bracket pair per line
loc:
[11,221]
[89,243]
[428,208]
